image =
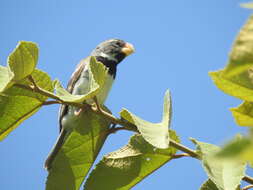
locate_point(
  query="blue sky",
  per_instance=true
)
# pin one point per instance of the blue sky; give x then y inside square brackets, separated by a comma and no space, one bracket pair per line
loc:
[177,43]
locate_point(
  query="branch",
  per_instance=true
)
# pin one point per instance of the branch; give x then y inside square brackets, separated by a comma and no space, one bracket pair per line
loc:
[114,120]
[247,187]
[98,110]
[185,149]
[114,129]
[176,156]
[97,104]
[51,102]
[248,179]
[31,79]
[38,90]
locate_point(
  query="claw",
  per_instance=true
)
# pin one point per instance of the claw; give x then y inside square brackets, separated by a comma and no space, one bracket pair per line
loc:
[78,112]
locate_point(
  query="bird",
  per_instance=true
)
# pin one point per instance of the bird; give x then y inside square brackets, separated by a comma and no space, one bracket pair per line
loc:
[110,53]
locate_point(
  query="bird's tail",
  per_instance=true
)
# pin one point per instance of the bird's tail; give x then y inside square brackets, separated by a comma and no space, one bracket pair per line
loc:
[55,150]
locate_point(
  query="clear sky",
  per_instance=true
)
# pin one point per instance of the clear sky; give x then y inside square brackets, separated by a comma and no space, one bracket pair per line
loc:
[177,43]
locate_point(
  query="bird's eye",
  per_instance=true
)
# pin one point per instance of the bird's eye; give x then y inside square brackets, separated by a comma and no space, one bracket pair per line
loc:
[118,43]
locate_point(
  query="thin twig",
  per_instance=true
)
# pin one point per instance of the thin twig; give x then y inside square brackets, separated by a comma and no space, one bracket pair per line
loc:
[176,156]
[51,102]
[97,104]
[114,130]
[183,148]
[247,187]
[113,125]
[31,79]
[248,179]
[38,90]
[126,125]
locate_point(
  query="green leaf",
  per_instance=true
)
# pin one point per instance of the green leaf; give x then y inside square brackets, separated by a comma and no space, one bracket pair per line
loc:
[129,165]
[236,79]
[208,185]
[240,148]
[241,56]
[23,60]
[97,71]
[239,86]
[78,153]
[18,104]
[154,133]
[5,78]
[247,5]
[41,78]
[226,174]
[14,110]
[243,114]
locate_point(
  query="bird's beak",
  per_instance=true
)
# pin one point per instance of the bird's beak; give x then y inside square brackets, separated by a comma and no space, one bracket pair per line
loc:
[128,49]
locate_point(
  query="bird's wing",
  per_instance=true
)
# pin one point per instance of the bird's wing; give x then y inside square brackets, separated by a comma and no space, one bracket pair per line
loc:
[74,78]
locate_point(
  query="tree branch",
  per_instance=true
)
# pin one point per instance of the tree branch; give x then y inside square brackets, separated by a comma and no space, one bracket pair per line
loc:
[38,90]
[248,179]
[51,102]
[247,187]
[114,120]
[185,149]
[30,78]
[176,156]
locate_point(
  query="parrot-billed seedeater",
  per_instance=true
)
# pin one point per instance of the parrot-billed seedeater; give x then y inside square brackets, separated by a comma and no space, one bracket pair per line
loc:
[110,53]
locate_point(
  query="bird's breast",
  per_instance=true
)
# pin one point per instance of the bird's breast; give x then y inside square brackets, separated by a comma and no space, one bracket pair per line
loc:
[105,89]
[70,120]
[83,83]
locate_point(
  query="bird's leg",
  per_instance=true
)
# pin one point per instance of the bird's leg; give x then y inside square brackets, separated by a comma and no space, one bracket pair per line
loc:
[78,112]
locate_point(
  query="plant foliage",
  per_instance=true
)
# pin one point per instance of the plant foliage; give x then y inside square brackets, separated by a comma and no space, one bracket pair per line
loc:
[24,89]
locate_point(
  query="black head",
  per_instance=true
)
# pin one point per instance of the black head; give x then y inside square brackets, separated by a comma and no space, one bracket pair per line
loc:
[112,52]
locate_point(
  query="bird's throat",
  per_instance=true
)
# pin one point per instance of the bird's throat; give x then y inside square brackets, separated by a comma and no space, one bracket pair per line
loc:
[110,64]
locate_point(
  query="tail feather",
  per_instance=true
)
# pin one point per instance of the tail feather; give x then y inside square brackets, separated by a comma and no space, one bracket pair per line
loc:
[55,150]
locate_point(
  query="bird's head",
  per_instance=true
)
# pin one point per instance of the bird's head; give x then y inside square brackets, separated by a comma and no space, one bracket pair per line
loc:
[112,52]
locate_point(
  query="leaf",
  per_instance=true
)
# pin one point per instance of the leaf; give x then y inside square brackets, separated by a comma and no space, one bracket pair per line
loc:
[237,78]
[14,110]
[129,165]
[23,60]
[97,72]
[208,185]
[240,148]
[41,78]
[5,78]
[154,133]
[234,87]
[241,56]
[226,174]
[78,153]
[18,104]
[243,114]
[247,5]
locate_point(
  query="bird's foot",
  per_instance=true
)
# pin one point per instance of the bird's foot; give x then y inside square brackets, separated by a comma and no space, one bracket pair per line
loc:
[78,112]
[83,109]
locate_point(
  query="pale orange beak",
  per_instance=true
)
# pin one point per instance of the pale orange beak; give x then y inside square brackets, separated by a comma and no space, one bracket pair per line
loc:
[128,49]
